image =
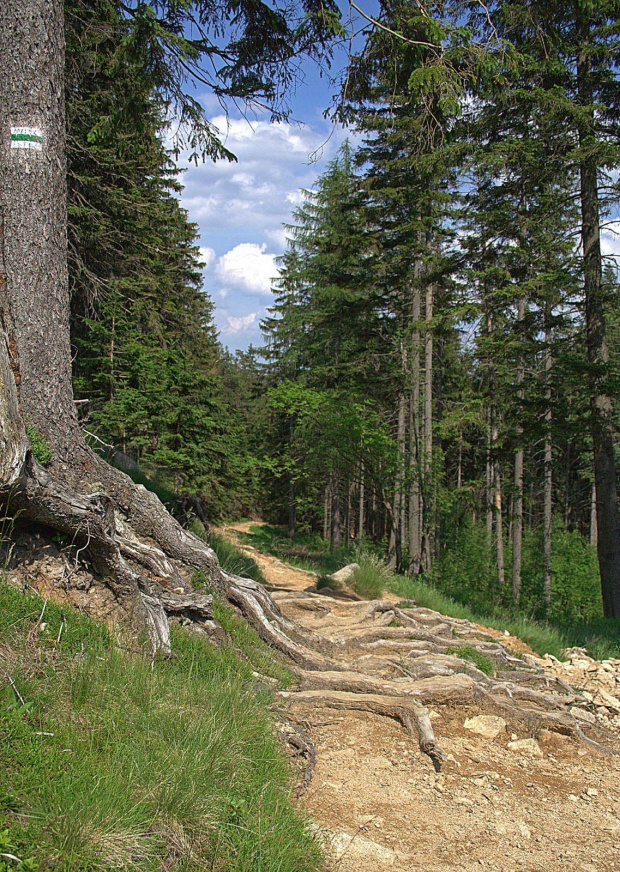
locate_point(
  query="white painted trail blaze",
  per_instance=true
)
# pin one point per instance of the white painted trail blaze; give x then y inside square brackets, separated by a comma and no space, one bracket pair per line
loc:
[30,138]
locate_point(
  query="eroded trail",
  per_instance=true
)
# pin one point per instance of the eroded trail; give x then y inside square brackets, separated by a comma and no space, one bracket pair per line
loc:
[529,780]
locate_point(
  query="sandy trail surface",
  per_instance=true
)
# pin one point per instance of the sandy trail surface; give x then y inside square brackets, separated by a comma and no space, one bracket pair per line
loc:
[548,804]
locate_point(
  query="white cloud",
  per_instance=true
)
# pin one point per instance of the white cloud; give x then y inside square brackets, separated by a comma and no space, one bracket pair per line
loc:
[248,267]
[240,208]
[207,256]
[610,239]
[278,237]
[236,325]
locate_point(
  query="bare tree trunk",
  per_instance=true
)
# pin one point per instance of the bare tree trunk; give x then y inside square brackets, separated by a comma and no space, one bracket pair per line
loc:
[499,529]
[415,497]
[517,504]
[326,508]
[489,485]
[33,199]
[336,536]
[399,498]
[548,470]
[360,519]
[348,513]
[292,508]
[593,523]
[428,521]
[608,531]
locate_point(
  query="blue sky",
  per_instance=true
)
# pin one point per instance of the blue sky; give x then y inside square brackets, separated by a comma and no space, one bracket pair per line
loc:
[240,207]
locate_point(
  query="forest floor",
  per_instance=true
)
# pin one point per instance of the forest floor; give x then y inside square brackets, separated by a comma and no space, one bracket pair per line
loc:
[547,804]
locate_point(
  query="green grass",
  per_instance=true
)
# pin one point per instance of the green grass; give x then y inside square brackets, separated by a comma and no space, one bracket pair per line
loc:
[372,577]
[118,763]
[232,559]
[480,660]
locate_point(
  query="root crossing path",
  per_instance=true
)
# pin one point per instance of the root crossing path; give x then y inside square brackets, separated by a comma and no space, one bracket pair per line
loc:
[529,771]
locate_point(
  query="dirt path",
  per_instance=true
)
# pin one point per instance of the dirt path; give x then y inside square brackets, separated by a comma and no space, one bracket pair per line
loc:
[548,804]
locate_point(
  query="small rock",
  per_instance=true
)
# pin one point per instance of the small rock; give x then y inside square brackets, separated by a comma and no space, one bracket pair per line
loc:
[583,715]
[345,573]
[526,746]
[591,791]
[361,849]
[488,726]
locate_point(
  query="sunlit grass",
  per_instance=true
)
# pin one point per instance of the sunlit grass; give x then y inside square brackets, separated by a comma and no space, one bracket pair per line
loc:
[115,762]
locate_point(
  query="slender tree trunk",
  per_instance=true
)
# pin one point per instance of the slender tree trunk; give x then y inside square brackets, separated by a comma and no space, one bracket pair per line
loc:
[593,522]
[326,507]
[428,521]
[360,519]
[399,499]
[517,503]
[608,534]
[489,485]
[498,521]
[292,508]
[494,472]
[548,470]
[415,505]
[336,521]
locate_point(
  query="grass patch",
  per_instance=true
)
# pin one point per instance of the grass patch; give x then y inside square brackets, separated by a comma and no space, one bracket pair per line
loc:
[117,763]
[480,660]
[232,559]
[372,577]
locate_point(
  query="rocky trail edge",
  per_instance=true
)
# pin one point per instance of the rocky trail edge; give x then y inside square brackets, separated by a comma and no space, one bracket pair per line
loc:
[529,767]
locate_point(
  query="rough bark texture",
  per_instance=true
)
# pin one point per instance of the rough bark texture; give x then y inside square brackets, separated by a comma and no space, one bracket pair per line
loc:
[548,471]
[517,512]
[33,202]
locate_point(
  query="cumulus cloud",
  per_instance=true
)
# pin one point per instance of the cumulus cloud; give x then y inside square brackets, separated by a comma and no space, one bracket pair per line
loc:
[240,208]
[207,256]
[236,325]
[248,267]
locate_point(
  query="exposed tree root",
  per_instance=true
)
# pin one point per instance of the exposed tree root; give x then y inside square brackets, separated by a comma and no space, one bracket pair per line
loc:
[142,555]
[412,716]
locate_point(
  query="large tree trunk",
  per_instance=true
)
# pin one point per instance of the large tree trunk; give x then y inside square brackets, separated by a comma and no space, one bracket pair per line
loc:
[608,533]
[33,202]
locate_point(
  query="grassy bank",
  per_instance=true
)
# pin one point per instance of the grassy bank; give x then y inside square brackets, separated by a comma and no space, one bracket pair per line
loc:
[111,762]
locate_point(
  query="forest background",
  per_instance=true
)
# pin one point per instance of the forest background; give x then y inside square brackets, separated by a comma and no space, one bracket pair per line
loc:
[426,386]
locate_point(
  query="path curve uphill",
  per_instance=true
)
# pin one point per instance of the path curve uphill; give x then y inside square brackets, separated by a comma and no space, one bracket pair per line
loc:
[414,759]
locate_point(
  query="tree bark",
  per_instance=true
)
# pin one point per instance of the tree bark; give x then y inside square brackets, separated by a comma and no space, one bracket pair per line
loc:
[608,532]
[428,521]
[548,469]
[415,507]
[292,508]
[33,203]
[517,504]
[336,533]
[360,518]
